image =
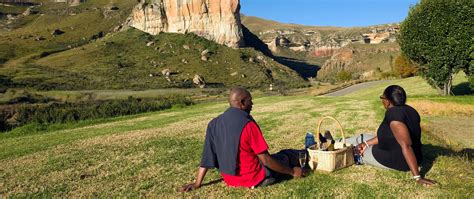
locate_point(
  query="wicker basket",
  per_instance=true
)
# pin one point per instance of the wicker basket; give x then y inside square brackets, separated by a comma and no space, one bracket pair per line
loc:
[330,161]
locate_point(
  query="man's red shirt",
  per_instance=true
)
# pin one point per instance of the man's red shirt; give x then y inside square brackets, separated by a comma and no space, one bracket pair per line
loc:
[249,170]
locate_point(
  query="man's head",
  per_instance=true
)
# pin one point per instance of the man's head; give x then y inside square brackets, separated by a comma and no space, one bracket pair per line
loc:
[240,98]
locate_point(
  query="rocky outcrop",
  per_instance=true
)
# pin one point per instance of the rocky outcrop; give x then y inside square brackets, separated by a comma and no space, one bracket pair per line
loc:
[216,20]
[357,61]
[342,60]
[324,51]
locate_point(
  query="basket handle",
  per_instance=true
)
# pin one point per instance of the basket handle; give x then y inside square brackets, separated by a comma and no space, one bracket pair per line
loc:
[338,123]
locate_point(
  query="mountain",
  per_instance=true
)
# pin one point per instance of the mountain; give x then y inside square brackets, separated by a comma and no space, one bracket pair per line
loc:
[69,45]
[325,48]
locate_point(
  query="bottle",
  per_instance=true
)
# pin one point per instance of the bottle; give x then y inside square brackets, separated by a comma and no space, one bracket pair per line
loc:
[309,140]
[357,156]
[329,141]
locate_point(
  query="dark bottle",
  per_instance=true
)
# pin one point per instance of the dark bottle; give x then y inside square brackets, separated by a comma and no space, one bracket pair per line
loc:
[357,156]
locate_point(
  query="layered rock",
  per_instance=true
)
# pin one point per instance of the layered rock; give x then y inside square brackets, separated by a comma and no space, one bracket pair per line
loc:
[357,61]
[216,20]
[342,60]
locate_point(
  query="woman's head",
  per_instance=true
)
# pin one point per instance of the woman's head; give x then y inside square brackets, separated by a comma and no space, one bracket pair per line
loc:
[394,95]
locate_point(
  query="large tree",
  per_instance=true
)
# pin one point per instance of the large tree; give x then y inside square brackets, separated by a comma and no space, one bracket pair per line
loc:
[439,35]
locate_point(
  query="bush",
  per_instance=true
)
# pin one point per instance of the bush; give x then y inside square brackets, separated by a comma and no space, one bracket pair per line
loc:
[343,76]
[90,110]
[28,98]
[404,67]
[388,75]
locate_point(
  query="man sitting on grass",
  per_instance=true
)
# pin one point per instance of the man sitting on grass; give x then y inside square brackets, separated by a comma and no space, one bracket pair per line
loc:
[235,145]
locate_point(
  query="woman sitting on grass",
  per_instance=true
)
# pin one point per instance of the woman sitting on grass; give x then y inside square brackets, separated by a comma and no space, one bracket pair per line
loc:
[397,144]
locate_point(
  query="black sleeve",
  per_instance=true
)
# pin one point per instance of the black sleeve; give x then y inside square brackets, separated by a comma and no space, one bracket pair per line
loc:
[209,157]
[395,114]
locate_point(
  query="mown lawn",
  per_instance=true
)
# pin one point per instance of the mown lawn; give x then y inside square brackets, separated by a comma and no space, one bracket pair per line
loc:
[150,155]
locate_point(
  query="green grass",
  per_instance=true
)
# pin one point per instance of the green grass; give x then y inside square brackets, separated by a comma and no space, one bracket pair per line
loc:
[150,155]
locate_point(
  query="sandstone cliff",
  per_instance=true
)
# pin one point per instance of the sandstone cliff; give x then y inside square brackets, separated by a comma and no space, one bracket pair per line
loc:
[216,20]
[361,61]
[317,41]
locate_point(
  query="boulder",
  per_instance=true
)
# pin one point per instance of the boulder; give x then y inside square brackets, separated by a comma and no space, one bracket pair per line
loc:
[166,72]
[198,80]
[39,38]
[118,28]
[151,43]
[27,12]
[205,52]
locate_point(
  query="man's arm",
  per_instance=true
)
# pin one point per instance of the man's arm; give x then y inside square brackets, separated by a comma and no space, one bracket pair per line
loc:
[196,184]
[274,165]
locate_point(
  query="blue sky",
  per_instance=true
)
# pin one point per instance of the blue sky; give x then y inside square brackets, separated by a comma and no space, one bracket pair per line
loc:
[345,13]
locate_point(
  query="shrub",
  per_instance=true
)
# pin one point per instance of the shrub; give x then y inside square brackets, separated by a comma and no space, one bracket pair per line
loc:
[343,76]
[388,75]
[404,67]
[89,110]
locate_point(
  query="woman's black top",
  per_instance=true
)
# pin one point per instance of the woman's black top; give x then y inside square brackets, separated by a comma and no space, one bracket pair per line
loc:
[388,152]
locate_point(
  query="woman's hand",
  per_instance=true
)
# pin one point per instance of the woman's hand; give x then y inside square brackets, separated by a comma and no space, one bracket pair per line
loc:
[360,148]
[425,182]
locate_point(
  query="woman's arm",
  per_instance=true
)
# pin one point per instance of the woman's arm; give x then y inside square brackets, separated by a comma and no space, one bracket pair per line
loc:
[400,131]
[362,146]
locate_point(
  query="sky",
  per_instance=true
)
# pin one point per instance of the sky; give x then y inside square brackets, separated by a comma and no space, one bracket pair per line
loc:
[345,13]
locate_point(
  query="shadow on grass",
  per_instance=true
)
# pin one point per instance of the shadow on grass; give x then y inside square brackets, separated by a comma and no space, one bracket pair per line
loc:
[212,182]
[431,152]
[463,89]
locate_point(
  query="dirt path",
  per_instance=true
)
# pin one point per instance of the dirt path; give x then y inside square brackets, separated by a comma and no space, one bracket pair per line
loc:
[355,88]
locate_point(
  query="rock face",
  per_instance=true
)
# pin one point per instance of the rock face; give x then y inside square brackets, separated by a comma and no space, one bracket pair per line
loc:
[317,41]
[356,61]
[216,20]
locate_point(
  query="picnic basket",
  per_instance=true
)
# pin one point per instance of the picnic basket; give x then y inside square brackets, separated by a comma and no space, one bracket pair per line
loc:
[330,161]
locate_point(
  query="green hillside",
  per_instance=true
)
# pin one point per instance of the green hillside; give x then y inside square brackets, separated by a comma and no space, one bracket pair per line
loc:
[91,54]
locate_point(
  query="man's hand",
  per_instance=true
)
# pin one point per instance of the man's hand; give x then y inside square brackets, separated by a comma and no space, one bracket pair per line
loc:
[425,182]
[299,172]
[189,187]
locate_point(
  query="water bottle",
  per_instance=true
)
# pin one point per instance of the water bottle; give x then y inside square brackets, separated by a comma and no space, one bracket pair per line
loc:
[309,140]
[358,157]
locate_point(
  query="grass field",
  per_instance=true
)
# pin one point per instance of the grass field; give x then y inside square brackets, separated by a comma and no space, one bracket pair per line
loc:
[150,155]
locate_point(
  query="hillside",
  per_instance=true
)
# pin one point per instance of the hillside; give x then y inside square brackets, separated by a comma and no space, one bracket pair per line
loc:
[315,47]
[58,46]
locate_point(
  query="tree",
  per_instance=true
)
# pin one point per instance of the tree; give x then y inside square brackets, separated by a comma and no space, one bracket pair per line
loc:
[404,66]
[438,35]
